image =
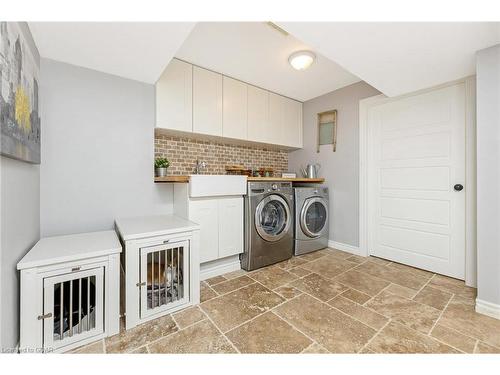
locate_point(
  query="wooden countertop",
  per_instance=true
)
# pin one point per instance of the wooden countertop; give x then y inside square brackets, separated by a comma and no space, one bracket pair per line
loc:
[297,179]
[182,179]
[185,179]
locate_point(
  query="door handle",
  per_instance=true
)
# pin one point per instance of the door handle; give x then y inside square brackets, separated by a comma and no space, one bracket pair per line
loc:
[458,187]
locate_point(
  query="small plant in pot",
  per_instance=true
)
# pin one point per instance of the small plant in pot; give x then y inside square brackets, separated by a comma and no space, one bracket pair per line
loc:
[161,165]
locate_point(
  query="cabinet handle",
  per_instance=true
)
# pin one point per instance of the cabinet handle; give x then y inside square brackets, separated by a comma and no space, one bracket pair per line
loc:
[41,317]
[166,241]
[74,269]
[141,284]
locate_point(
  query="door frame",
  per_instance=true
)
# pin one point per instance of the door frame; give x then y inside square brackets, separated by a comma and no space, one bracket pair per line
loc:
[470,170]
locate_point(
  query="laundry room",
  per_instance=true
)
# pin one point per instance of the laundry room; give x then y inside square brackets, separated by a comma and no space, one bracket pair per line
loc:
[249,187]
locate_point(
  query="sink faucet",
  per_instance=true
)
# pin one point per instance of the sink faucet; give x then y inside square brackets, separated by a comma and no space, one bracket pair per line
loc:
[199,166]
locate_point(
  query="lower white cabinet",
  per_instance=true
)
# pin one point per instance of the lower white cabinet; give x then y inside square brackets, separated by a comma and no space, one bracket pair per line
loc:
[70,292]
[220,219]
[204,212]
[230,220]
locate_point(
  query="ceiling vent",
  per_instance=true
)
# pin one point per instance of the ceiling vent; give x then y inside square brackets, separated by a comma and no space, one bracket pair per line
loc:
[277,28]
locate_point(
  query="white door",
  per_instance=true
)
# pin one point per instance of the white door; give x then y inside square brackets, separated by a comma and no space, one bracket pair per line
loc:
[230,226]
[205,213]
[174,97]
[207,102]
[234,109]
[416,154]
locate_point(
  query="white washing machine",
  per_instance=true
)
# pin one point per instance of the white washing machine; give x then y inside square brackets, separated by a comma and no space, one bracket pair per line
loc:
[311,219]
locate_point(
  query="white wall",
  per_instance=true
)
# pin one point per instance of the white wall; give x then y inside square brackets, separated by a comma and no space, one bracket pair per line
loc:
[488,175]
[19,228]
[97,150]
[341,168]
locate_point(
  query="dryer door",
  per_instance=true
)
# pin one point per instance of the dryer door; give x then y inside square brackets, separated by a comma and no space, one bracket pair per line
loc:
[314,217]
[272,218]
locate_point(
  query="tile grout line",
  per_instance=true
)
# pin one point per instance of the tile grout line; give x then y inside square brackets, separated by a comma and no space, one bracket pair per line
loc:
[173,333]
[476,344]
[220,331]
[271,311]
[334,308]
[441,315]
[262,313]
[373,338]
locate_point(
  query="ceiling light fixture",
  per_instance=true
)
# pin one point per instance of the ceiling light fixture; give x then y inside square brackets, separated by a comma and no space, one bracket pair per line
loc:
[301,60]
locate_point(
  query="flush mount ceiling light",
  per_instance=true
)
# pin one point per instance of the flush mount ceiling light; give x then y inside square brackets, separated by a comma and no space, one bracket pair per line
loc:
[301,60]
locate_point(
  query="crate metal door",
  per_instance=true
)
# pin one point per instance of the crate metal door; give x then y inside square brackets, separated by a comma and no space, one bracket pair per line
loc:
[73,307]
[164,277]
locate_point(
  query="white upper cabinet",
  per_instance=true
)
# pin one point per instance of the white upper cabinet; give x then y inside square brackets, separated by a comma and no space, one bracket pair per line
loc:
[285,121]
[276,119]
[196,100]
[207,102]
[258,114]
[292,125]
[174,97]
[234,108]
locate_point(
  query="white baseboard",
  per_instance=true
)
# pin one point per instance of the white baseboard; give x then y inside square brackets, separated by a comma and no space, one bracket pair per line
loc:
[219,267]
[345,247]
[488,308]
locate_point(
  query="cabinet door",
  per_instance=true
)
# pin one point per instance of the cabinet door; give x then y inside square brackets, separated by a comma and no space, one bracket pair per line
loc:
[174,97]
[276,128]
[258,114]
[204,212]
[230,226]
[234,109]
[207,102]
[292,129]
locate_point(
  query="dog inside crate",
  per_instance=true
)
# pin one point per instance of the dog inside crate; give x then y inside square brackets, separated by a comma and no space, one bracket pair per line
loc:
[74,307]
[165,277]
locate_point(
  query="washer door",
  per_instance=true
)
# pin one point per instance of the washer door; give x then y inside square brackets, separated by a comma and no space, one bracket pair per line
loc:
[313,217]
[272,218]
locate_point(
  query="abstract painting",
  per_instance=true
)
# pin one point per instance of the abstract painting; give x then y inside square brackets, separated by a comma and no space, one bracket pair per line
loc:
[19,111]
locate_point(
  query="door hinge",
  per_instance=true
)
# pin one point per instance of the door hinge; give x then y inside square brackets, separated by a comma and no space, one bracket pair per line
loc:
[41,317]
[141,284]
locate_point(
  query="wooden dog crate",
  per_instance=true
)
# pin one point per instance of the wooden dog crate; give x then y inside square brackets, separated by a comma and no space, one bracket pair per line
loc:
[69,291]
[161,262]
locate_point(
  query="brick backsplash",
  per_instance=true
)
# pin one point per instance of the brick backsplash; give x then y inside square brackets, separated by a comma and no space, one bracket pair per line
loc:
[183,152]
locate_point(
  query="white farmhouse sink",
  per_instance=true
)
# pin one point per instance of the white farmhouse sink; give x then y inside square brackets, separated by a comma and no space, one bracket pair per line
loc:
[208,185]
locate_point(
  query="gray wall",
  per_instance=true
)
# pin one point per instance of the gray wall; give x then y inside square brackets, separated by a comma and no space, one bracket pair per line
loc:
[20,229]
[97,150]
[340,168]
[488,174]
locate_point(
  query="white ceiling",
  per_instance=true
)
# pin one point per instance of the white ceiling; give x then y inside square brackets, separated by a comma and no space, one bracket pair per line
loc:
[398,58]
[258,54]
[134,50]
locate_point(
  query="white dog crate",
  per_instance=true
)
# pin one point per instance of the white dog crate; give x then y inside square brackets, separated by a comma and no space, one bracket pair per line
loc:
[70,291]
[161,262]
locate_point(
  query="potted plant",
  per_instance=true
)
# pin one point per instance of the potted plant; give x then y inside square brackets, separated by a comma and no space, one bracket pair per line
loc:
[161,165]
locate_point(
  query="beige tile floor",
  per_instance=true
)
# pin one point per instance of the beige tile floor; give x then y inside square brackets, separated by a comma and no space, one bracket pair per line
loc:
[328,301]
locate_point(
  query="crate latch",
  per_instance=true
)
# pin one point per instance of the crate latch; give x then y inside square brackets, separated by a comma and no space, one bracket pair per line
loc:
[41,317]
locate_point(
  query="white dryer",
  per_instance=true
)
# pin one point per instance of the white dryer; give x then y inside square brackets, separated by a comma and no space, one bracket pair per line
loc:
[311,219]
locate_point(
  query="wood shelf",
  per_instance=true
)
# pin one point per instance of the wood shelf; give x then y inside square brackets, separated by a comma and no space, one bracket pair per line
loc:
[185,179]
[172,179]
